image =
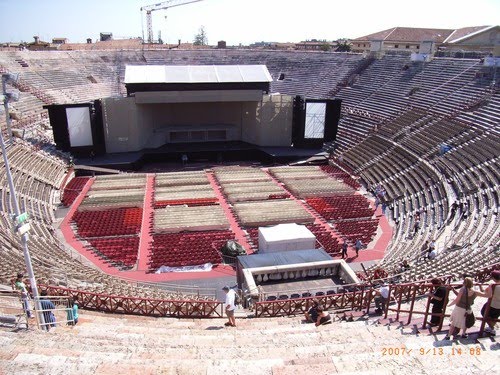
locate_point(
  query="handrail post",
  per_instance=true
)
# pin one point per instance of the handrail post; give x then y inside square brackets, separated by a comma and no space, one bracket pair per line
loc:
[427,305]
[386,307]
[443,313]
[413,291]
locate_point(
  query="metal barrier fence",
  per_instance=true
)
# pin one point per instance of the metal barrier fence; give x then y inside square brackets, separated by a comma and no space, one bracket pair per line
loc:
[360,298]
[139,306]
[13,311]
[52,310]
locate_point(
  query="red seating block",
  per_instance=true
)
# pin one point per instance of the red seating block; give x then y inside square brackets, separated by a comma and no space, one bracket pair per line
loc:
[121,252]
[341,207]
[324,239]
[340,174]
[187,248]
[112,222]
[73,189]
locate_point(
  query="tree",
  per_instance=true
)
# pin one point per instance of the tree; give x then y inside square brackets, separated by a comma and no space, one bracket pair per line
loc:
[343,45]
[326,47]
[201,39]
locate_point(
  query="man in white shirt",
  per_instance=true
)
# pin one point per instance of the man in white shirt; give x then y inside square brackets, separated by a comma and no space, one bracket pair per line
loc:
[382,296]
[230,306]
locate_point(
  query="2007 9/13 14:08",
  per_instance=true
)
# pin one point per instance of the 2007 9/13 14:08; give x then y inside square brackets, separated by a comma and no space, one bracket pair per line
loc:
[431,351]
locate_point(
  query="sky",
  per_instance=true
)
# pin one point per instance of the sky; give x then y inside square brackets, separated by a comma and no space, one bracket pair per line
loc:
[236,21]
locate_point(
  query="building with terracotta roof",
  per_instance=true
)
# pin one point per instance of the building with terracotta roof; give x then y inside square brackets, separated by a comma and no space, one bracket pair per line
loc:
[475,38]
[315,45]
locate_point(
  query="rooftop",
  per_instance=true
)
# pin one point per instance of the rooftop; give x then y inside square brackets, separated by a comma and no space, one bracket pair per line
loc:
[196,74]
[412,34]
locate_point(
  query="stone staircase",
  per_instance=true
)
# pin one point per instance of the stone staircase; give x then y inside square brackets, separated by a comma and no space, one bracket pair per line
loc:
[111,344]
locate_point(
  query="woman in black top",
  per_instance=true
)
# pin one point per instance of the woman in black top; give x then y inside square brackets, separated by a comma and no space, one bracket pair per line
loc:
[438,298]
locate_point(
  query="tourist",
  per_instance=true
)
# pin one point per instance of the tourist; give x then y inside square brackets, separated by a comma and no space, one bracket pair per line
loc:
[47,307]
[230,306]
[72,312]
[432,254]
[437,299]
[344,249]
[462,302]
[432,245]
[416,226]
[384,207]
[405,266]
[358,246]
[493,292]
[323,316]
[424,251]
[381,298]
[312,314]
[21,288]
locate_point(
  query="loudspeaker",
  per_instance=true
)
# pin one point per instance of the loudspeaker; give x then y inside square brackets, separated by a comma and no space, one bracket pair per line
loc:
[332,117]
[298,120]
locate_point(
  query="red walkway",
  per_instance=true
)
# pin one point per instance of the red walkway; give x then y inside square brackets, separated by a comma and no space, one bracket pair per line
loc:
[233,222]
[145,237]
[377,248]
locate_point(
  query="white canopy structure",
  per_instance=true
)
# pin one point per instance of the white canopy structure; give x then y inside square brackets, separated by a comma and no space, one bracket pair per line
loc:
[284,237]
[196,74]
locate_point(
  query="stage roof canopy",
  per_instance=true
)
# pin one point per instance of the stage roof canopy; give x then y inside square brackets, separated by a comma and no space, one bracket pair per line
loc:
[137,74]
[283,258]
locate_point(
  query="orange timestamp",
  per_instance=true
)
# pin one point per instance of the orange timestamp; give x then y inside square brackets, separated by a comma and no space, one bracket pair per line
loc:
[403,351]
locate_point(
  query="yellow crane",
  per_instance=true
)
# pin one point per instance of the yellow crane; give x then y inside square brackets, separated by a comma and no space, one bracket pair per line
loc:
[161,6]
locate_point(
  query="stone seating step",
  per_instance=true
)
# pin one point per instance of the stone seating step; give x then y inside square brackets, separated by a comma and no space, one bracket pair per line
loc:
[106,344]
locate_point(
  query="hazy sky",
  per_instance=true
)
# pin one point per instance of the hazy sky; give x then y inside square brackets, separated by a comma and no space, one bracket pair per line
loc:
[237,21]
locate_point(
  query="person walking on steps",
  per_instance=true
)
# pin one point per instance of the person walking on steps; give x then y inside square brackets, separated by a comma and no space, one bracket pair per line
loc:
[344,249]
[358,246]
[230,306]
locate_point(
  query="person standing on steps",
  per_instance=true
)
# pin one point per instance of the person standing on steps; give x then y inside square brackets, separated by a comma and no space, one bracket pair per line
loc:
[72,312]
[381,298]
[344,249]
[47,308]
[493,292]
[22,289]
[424,252]
[416,226]
[465,297]
[438,298]
[358,246]
[230,306]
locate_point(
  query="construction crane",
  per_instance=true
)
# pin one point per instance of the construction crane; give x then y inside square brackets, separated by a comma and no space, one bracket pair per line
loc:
[161,6]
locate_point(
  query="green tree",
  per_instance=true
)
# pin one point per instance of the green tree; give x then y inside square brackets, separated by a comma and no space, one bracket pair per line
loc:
[343,45]
[201,39]
[326,47]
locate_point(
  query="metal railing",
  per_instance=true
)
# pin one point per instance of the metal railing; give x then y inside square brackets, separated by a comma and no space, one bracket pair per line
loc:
[360,297]
[139,306]
[52,316]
